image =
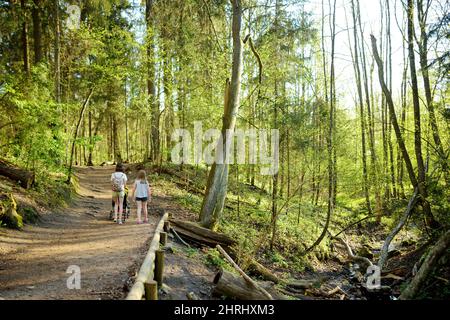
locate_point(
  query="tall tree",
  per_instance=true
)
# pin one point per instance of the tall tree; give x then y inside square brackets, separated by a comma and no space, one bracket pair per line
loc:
[216,189]
[422,14]
[356,64]
[151,87]
[37,30]
[417,119]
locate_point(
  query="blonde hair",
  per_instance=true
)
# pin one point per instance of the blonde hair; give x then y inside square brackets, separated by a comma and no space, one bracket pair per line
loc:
[142,175]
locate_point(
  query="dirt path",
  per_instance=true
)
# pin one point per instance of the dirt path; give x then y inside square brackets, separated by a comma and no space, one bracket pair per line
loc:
[33,262]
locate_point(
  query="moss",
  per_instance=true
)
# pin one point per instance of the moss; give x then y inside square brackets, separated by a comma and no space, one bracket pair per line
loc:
[8,212]
[29,214]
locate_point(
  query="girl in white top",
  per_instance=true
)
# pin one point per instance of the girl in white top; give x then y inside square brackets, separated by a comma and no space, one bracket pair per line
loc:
[141,194]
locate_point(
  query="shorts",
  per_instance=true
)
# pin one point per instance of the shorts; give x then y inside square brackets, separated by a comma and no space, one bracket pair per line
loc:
[118,194]
[142,199]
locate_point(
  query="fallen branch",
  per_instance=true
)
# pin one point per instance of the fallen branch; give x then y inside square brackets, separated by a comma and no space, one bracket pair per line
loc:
[179,238]
[336,290]
[384,249]
[352,255]
[243,274]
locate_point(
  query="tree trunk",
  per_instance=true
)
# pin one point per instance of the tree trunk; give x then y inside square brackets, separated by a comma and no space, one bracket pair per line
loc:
[371,125]
[390,104]
[423,50]
[213,202]
[75,134]
[57,53]
[361,109]
[330,137]
[25,49]
[37,31]
[417,121]
[117,153]
[151,88]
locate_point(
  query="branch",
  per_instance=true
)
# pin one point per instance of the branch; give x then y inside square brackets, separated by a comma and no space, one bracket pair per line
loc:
[257,56]
[352,255]
[401,223]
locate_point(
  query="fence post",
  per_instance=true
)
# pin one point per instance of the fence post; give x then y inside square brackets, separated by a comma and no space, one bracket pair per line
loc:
[151,290]
[159,267]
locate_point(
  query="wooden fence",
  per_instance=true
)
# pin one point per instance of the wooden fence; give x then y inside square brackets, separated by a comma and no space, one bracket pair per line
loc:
[145,284]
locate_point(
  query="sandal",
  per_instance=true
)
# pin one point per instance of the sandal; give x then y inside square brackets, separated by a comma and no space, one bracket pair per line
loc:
[138,222]
[145,220]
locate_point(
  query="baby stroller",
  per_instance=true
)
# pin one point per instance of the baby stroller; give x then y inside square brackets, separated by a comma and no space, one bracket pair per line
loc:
[126,207]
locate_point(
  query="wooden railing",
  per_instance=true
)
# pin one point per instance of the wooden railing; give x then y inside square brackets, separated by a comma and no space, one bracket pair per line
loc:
[145,284]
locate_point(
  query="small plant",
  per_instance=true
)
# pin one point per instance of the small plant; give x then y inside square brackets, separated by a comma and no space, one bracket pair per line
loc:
[191,252]
[214,258]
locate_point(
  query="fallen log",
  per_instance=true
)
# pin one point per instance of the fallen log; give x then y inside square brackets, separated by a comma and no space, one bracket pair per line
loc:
[200,235]
[258,269]
[428,265]
[243,274]
[236,287]
[24,177]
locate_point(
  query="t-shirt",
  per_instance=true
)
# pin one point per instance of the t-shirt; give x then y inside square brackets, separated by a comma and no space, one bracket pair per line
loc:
[121,177]
[141,187]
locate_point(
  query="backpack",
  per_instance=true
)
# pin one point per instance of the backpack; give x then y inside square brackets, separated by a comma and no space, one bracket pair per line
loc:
[117,183]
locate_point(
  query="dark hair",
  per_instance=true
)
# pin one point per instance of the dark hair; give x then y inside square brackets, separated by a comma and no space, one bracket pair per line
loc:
[119,167]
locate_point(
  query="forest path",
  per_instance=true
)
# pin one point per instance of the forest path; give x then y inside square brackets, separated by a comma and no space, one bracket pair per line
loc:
[33,262]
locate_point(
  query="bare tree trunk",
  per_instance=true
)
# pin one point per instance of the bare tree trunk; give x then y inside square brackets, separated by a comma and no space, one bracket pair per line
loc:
[57,53]
[423,49]
[37,31]
[91,140]
[417,121]
[75,135]
[390,104]
[330,137]
[361,109]
[213,202]
[371,125]
[25,49]
[151,88]
[117,153]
